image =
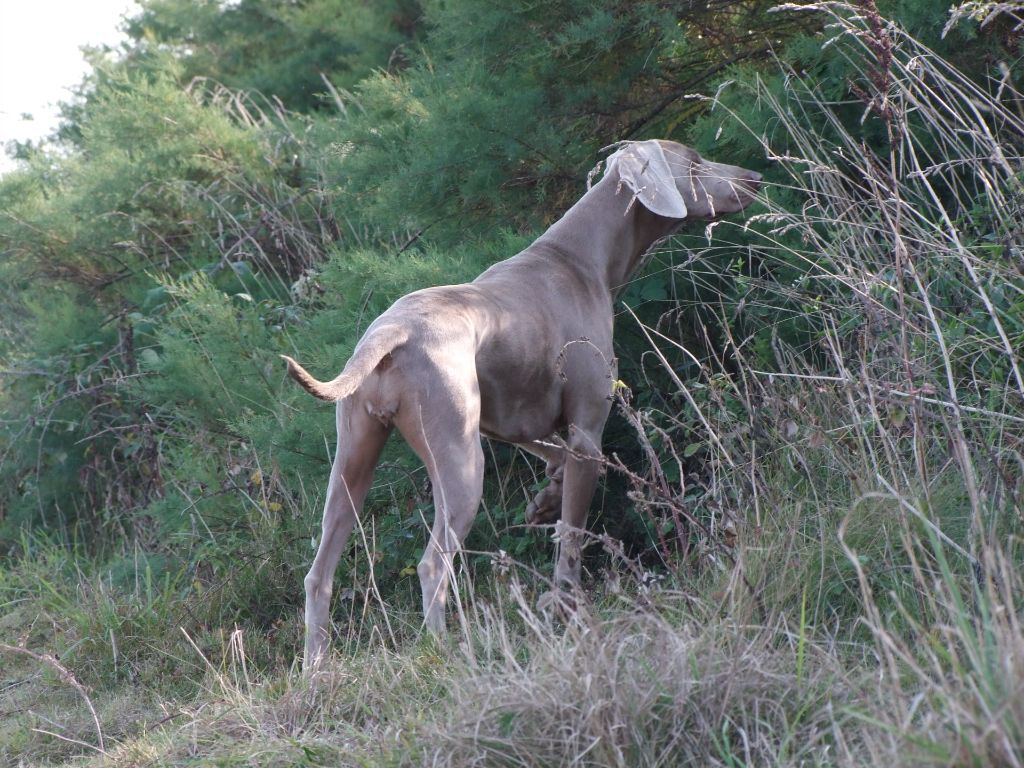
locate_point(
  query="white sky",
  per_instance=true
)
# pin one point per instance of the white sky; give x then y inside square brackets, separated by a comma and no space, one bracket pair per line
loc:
[40,60]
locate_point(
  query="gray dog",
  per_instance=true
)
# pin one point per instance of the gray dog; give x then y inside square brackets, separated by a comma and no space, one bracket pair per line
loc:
[522,353]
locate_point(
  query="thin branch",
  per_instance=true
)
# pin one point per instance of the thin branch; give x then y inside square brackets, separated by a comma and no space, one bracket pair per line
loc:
[68,677]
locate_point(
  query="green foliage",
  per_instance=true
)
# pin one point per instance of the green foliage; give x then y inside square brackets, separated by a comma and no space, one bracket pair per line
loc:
[500,118]
[167,182]
[297,52]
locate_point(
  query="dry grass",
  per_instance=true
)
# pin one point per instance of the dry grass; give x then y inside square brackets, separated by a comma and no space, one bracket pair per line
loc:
[638,687]
[650,676]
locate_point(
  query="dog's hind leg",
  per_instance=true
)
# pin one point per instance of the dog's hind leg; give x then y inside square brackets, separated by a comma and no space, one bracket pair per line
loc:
[444,430]
[361,438]
[458,485]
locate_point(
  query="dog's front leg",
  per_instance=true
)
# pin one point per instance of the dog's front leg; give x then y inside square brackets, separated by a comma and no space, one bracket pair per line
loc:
[582,467]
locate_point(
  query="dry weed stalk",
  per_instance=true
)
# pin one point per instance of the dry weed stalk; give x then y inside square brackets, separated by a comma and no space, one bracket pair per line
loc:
[48,659]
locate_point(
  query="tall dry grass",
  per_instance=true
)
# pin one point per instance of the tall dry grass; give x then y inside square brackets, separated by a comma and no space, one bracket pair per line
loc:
[877,480]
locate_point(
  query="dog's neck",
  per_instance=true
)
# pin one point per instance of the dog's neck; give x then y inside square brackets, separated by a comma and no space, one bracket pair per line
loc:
[609,232]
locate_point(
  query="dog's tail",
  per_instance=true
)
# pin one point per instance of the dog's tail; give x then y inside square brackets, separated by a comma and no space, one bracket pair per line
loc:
[369,353]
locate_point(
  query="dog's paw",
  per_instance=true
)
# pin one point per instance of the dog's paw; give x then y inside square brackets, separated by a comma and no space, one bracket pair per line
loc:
[542,514]
[546,506]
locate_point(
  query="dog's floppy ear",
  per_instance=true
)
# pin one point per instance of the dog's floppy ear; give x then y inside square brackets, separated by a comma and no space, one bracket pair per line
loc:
[644,169]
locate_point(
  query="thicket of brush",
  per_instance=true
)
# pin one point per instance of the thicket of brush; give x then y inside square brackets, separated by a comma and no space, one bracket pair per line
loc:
[807,546]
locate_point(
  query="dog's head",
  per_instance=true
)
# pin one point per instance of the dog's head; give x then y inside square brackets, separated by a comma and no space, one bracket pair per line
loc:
[672,180]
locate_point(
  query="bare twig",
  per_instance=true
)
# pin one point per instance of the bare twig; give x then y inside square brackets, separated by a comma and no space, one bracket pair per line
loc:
[68,677]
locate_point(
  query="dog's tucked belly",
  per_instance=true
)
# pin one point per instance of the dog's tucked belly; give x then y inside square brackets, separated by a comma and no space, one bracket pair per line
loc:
[519,415]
